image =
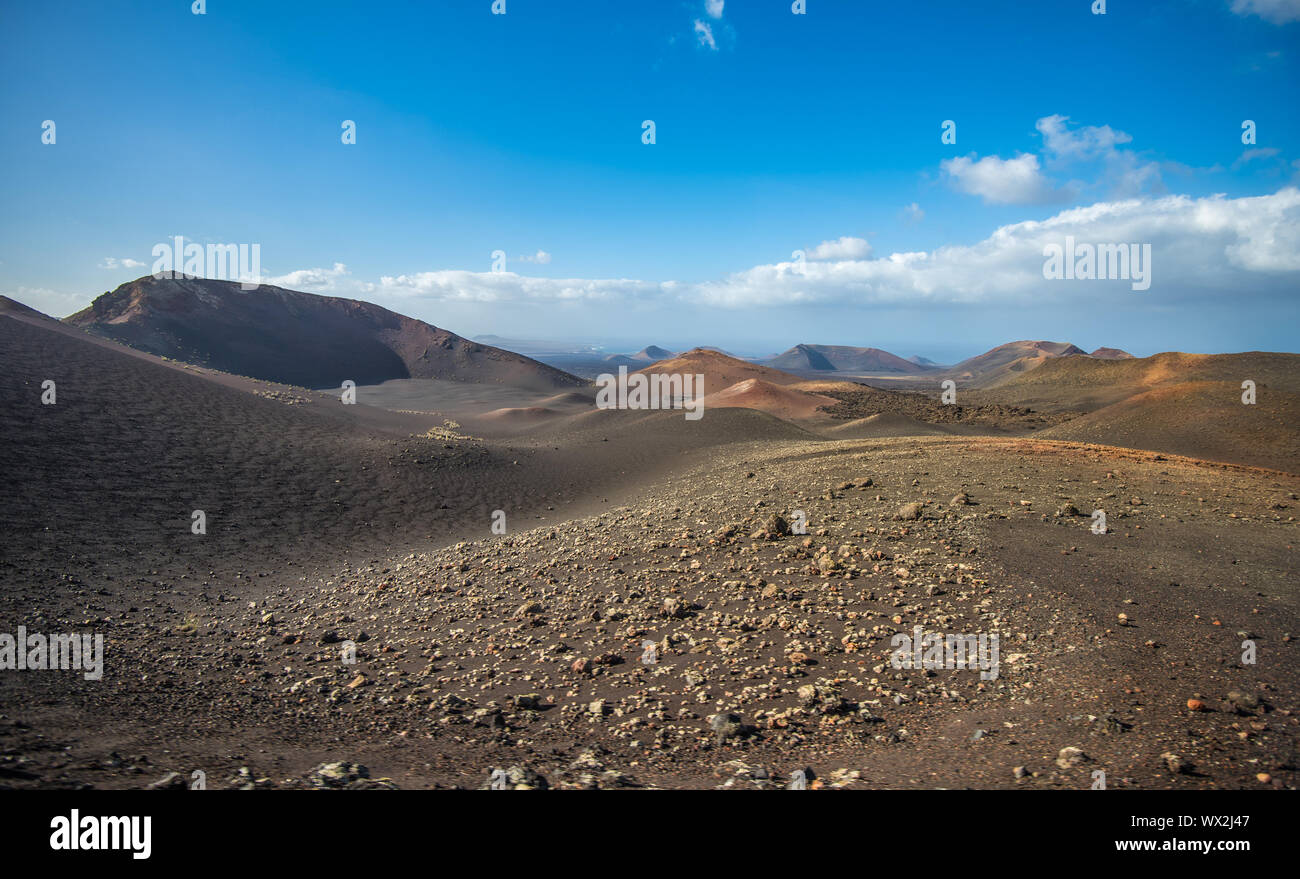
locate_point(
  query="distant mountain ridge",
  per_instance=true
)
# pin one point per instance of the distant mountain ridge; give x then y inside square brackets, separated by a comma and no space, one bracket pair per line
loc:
[843,358]
[983,370]
[298,338]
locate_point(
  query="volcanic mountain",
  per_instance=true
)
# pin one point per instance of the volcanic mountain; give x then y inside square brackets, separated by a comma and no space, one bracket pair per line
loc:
[1089,383]
[730,382]
[298,338]
[648,354]
[782,401]
[843,358]
[622,360]
[652,354]
[719,370]
[1187,404]
[1006,361]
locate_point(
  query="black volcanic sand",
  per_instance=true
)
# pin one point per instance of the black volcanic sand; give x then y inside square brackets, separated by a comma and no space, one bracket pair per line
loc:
[222,650]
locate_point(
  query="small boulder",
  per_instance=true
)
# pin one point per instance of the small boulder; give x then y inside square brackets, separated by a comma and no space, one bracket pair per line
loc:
[1068,758]
[910,511]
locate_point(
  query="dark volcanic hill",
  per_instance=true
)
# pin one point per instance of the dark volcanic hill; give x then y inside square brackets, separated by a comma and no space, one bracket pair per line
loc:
[843,358]
[13,306]
[298,338]
[652,354]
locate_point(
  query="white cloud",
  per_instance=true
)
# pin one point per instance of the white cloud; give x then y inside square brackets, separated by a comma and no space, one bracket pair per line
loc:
[1093,150]
[913,213]
[1090,141]
[1002,181]
[1123,174]
[705,35]
[111,262]
[541,258]
[490,287]
[1273,11]
[1127,176]
[842,248]
[1197,244]
[1200,246]
[311,280]
[713,8]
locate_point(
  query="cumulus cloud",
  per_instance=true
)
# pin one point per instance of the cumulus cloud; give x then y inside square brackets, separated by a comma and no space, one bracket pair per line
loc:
[1122,173]
[713,8]
[496,287]
[1272,11]
[1002,181]
[1208,244]
[704,33]
[1094,150]
[841,248]
[311,280]
[1086,142]
[111,262]
[1213,246]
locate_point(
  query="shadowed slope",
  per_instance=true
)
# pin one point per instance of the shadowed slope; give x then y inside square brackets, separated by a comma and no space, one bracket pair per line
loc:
[298,338]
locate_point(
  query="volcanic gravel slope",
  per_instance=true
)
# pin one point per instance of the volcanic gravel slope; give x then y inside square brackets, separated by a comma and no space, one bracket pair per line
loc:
[524,651]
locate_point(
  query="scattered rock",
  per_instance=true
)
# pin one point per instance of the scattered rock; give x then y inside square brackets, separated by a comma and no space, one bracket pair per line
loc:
[729,725]
[676,608]
[521,777]
[1070,757]
[910,511]
[337,775]
[170,781]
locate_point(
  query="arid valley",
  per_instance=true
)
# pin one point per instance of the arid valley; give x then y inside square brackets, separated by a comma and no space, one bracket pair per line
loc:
[473,575]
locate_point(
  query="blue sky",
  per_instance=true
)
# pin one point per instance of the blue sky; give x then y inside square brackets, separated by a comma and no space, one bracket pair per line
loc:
[775,133]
